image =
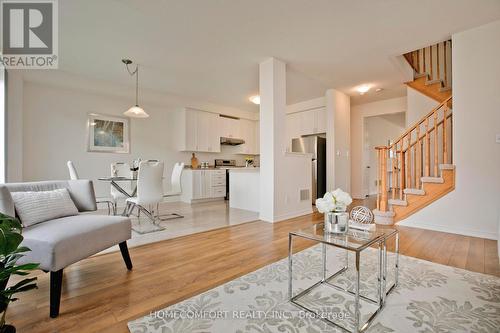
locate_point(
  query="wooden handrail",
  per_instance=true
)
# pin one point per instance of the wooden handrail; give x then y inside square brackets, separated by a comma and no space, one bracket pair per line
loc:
[429,131]
[420,122]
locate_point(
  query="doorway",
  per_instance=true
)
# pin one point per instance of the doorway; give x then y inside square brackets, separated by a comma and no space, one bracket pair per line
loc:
[378,131]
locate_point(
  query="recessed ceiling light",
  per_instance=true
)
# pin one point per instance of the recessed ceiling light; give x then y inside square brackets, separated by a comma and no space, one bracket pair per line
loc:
[255,99]
[363,89]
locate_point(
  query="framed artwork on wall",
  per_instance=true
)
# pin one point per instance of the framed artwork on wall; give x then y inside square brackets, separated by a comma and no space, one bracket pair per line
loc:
[108,134]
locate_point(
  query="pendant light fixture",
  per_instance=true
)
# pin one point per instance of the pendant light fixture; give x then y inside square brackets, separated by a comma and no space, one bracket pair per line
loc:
[135,111]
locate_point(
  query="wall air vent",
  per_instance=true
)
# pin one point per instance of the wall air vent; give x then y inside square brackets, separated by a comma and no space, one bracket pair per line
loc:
[304,195]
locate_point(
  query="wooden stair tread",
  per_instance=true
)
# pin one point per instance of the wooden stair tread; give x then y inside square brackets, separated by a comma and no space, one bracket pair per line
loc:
[398,202]
[447,166]
[435,180]
[431,82]
[414,191]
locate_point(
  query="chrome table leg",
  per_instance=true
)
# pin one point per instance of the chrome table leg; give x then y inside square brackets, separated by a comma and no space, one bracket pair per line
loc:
[290,263]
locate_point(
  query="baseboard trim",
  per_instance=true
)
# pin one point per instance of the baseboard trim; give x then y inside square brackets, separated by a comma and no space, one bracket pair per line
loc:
[286,216]
[451,230]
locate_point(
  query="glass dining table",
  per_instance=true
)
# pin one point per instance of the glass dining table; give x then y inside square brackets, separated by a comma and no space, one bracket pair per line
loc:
[116,181]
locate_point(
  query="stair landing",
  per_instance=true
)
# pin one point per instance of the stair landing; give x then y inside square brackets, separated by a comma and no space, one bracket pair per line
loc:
[433,90]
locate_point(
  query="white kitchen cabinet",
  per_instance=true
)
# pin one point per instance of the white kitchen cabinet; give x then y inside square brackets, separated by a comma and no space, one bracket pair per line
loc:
[199,131]
[307,122]
[257,138]
[203,185]
[229,127]
[320,120]
[249,130]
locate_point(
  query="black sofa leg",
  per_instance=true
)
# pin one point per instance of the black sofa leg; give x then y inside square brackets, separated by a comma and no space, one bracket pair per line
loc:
[55,292]
[126,255]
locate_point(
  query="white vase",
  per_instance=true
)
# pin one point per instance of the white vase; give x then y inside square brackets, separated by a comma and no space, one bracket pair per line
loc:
[336,222]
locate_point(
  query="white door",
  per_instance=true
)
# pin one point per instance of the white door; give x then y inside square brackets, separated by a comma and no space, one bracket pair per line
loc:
[202,140]
[320,119]
[307,122]
[213,133]
[246,133]
[207,183]
[197,184]
[257,138]
[191,122]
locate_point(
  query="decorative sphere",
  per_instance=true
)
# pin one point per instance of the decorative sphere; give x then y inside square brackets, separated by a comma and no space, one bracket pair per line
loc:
[361,214]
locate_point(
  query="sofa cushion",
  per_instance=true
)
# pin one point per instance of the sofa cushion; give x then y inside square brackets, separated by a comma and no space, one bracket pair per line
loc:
[34,207]
[58,243]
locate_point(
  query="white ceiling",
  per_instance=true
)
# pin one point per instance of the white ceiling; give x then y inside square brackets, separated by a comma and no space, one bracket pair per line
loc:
[210,49]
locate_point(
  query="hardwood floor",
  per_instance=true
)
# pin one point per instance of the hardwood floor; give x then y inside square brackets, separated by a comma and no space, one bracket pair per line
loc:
[100,295]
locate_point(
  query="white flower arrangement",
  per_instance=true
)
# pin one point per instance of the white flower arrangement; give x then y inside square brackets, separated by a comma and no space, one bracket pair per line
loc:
[337,200]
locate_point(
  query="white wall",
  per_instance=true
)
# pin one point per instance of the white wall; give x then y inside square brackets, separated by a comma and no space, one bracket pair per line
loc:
[310,104]
[358,113]
[377,131]
[338,165]
[14,126]
[418,106]
[3,120]
[473,208]
[54,131]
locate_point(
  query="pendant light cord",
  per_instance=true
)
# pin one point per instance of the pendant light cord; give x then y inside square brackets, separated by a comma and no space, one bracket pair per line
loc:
[137,85]
[136,73]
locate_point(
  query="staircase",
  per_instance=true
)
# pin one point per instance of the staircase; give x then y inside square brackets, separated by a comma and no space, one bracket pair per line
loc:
[417,168]
[432,70]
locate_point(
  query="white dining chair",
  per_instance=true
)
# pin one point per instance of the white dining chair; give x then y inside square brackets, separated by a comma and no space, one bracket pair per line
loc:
[149,190]
[120,169]
[175,190]
[73,175]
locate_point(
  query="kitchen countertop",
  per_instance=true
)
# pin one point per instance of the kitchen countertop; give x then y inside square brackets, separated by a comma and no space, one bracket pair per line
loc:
[188,167]
[244,169]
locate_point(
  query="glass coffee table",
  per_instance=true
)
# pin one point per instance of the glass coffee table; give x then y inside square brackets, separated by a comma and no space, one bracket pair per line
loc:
[354,241]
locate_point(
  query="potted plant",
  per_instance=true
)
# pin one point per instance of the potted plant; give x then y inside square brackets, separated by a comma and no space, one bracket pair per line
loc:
[334,205]
[10,252]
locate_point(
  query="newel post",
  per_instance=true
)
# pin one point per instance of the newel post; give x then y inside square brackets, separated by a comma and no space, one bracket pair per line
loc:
[383,181]
[382,214]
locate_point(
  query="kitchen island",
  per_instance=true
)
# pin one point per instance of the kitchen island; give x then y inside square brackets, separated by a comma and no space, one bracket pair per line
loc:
[244,188]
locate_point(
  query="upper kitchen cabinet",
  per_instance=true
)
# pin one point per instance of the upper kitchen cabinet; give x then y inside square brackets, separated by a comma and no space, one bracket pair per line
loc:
[257,137]
[229,127]
[199,131]
[249,133]
[307,122]
[320,119]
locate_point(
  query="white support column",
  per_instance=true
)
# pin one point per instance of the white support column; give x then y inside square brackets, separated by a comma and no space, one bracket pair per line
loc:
[338,163]
[272,84]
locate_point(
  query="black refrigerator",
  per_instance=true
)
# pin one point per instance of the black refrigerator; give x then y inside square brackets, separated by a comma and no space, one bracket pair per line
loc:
[315,145]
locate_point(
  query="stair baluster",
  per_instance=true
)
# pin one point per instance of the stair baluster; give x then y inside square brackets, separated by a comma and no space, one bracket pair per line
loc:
[436,162]
[418,169]
[445,136]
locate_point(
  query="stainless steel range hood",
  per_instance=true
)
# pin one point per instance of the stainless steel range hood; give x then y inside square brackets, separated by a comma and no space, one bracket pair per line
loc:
[231,141]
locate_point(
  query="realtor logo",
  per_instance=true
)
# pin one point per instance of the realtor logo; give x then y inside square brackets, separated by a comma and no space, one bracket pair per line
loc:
[29,34]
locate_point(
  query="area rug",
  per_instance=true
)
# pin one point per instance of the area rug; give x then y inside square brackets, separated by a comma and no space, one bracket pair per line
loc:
[429,298]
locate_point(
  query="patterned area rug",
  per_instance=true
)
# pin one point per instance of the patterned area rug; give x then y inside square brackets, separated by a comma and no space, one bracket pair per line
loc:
[429,298]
